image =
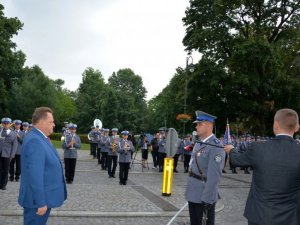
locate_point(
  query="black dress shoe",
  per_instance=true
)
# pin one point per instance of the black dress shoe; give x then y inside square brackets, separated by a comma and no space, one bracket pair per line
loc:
[3,188]
[124,183]
[223,171]
[113,176]
[11,179]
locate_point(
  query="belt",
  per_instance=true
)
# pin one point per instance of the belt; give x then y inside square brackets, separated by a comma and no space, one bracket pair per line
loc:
[198,177]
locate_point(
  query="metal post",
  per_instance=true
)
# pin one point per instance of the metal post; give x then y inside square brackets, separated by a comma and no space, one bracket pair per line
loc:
[188,68]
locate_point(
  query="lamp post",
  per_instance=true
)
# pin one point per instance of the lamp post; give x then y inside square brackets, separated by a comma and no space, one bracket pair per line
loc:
[190,67]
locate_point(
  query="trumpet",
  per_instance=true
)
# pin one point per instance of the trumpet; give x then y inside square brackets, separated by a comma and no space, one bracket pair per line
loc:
[126,146]
[114,145]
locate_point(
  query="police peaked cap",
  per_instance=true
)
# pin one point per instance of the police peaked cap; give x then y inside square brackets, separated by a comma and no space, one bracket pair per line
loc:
[18,122]
[72,126]
[25,124]
[6,120]
[203,116]
[125,132]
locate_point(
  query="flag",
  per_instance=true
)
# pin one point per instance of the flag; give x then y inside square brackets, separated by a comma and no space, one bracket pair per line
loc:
[227,136]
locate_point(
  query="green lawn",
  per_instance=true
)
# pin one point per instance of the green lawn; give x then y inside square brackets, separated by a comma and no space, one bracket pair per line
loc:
[57,144]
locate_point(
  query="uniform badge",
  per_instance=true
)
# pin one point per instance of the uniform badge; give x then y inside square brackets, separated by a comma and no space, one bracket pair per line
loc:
[218,158]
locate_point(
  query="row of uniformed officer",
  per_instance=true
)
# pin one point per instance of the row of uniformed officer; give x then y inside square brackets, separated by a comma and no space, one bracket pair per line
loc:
[8,149]
[15,163]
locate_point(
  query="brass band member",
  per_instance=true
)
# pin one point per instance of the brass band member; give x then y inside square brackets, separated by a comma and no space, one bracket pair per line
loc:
[112,157]
[125,148]
[15,163]
[70,146]
[104,144]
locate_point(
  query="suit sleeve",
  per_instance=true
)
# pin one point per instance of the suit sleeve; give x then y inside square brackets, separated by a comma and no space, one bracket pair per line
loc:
[242,159]
[35,156]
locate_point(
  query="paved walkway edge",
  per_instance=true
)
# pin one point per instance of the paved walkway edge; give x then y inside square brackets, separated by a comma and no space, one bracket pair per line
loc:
[63,213]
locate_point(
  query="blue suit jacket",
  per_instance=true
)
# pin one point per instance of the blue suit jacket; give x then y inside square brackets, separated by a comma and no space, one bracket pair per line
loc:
[42,180]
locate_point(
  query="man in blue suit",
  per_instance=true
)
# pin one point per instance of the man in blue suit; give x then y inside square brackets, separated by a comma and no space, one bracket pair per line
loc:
[42,182]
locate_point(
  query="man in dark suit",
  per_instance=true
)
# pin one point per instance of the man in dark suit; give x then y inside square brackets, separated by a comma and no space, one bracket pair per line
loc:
[275,190]
[42,182]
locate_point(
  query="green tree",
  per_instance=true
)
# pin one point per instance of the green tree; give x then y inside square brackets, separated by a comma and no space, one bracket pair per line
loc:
[131,94]
[11,61]
[90,101]
[65,109]
[33,89]
[253,44]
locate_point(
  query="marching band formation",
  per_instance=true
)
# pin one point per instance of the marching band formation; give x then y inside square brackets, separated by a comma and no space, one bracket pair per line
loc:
[108,150]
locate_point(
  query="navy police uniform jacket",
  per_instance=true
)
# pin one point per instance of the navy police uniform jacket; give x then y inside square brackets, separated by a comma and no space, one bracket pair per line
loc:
[274,195]
[8,143]
[210,160]
[69,151]
[125,154]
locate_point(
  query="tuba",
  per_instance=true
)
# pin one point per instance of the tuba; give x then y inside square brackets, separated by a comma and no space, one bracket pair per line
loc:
[98,123]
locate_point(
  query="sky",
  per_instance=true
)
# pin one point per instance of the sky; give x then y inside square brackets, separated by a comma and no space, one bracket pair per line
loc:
[64,37]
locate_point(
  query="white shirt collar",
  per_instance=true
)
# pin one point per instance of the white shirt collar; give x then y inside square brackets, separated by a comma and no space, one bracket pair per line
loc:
[41,132]
[207,138]
[284,135]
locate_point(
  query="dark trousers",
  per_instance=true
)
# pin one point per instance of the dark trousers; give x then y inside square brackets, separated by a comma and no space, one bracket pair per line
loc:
[31,218]
[70,164]
[196,213]
[161,158]
[186,162]
[104,160]
[112,164]
[12,172]
[145,154]
[94,149]
[124,168]
[176,156]
[91,152]
[99,155]
[155,158]
[4,167]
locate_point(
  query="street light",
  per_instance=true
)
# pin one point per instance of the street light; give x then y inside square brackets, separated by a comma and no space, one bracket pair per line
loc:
[190,67]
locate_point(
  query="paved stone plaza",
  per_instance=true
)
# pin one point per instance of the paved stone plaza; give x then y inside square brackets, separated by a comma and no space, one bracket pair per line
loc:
[94,198]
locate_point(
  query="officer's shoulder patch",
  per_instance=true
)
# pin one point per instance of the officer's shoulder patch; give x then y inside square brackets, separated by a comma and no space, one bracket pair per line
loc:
[218,158]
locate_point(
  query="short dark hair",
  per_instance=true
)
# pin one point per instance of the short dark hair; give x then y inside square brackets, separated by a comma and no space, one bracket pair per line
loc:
[287,119]
[40,114]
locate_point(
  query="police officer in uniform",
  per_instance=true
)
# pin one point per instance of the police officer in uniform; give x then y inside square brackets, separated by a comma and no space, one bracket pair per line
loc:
[205,172]
[187,147]
[112,156]
[104,144]
[16,161]
[8,149]
[95,138]
[70,146]
[125,148]
[162,148]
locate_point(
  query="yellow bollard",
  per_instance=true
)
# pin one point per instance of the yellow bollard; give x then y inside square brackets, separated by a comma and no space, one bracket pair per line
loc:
[168,176]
